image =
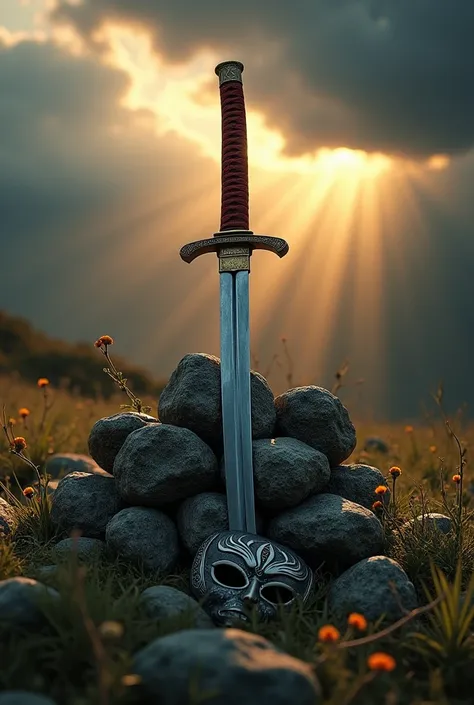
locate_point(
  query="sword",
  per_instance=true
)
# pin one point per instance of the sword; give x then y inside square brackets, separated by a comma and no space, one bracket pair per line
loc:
[234,244]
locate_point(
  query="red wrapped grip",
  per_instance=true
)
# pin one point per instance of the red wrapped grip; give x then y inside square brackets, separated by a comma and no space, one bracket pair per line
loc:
[235,179]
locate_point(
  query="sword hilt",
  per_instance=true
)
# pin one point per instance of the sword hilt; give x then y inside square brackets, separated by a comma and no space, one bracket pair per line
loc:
[234,163]
[234,243]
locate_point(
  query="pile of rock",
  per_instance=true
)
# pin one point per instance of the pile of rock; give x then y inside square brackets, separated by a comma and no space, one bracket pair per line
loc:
[161,491]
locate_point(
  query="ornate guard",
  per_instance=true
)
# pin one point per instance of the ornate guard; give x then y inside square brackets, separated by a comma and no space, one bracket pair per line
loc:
[238,569]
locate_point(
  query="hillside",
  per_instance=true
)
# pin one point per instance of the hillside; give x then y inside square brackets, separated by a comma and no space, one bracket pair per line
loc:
[31,354]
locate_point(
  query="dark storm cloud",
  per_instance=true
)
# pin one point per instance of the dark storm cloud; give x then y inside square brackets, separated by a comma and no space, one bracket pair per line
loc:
[85,186]
[83,179]
[385,75]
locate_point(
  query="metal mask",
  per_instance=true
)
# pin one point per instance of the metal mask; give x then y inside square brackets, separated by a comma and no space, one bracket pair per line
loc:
[236,572]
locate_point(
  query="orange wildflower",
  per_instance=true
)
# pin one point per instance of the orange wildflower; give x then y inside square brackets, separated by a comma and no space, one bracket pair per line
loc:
[380,661]
[381,490]
[111,629]
[433,449]
[377,505]
[457,479]
[103,341]
[358,621]
[395,471]
[43,382]
[11,422]
[28,492]
[18,444]
[329,634]
[23,412]
[408,429]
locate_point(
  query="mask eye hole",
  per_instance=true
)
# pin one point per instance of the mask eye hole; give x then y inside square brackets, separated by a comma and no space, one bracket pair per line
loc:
[229,575]
[277,593]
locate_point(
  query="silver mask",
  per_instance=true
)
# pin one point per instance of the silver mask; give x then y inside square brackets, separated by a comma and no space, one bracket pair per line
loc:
[234,573]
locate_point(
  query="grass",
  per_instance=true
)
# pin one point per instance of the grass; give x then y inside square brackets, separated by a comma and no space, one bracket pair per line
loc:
[84,654]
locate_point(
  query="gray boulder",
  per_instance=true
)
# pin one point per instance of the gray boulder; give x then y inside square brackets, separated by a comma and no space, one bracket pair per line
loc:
[192,398]
[23,697]
[145,537]
[202,515]
[374,443]
[162,602]
[375,587]
[87,549]
[160,464]
[315,416]
[226,666]
[430,522]
[8,518]
[358,483]
[86,502]
[287,471]
[62,464]
[22,601]
[108,435]
[328,528]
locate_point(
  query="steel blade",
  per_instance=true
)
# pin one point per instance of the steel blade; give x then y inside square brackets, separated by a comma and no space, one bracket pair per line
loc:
[244,401]
[230,417]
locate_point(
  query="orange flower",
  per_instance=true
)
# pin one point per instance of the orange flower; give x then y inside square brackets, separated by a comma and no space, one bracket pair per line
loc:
[23,412]
[381,490]
[408,429]
[395,471]
[43,382]
[433,449]
[380,661]
[18,444]
[457,479]
[377,505]
[329,634]
[358,621]
[28,492]
[111,629]
[11,422]
[103,341]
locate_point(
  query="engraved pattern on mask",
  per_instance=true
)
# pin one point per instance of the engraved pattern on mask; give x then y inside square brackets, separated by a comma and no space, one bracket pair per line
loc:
[234,572]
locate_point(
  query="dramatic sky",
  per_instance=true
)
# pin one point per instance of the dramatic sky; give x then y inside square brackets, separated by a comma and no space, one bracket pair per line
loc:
[361,152]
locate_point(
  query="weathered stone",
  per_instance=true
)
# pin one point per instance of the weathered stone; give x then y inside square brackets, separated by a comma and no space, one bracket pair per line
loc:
[144,537]
[87,549]
[202,515]
[86,502]
[192,398]
[230,666]
[430,522]
[21,602]
[62,464]
[316,417]
[374,587]
[374,443]
[24,697]
[8,518]
[45,573]
[287,471]
[328,528]
[162,602]
[108,435]
[160,464]
[358,483]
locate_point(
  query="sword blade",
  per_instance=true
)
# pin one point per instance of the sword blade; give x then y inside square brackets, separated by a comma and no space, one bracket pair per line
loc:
[244,401]
[230,416]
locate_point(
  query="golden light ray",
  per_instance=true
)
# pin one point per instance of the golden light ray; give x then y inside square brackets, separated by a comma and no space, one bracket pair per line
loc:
[353,220]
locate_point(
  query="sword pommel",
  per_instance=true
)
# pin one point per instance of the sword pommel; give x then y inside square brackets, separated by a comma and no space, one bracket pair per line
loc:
[229,71]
